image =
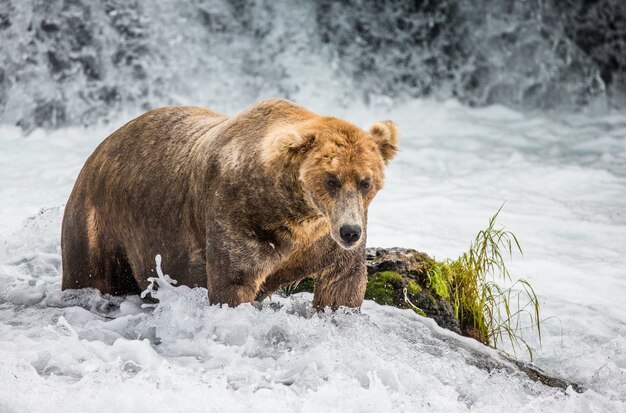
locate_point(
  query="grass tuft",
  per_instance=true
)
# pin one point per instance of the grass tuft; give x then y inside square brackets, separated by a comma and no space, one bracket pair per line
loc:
[487,311]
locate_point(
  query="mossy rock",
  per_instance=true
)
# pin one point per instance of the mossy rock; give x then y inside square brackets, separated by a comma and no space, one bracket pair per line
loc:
[383,287]
[394,271]
[402,278]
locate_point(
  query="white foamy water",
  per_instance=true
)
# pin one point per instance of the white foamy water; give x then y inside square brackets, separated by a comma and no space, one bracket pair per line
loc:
[564,184]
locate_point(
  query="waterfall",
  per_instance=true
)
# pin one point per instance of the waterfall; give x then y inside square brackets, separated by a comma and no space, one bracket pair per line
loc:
[72,62]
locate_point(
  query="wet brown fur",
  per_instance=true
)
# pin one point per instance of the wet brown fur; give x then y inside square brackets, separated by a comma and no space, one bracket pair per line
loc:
[235,204]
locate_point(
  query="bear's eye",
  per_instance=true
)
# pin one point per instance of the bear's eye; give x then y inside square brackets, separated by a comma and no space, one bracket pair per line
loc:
[332,183]
[365,185]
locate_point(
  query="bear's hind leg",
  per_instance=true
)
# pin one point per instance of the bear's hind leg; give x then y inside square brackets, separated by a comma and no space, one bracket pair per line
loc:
[119,275]
[90,259]
[82,263]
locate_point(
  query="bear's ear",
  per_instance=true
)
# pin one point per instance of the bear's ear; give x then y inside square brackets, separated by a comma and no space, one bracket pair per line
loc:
[298,142]
[385,135]
[287,144]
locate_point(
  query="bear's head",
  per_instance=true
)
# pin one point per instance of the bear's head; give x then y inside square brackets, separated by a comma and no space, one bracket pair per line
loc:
[340,168]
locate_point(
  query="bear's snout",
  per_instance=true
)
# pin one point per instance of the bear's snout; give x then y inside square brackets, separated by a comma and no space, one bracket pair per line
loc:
[350,234]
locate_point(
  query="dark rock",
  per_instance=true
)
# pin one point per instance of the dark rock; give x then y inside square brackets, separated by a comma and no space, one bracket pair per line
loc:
[412,267]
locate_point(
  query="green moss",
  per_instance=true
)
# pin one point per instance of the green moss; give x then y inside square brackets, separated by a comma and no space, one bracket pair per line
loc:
[419,311]
[412,287]
[380,287]
[438,276]
[378,293]
[389,276]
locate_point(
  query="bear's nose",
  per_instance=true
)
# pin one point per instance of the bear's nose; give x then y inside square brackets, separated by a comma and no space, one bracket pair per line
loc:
[350,233]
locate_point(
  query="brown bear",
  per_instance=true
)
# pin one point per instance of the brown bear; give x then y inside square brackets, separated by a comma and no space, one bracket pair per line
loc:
[239,205]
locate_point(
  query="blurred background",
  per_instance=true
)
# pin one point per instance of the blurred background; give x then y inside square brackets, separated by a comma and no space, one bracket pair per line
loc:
[77,62]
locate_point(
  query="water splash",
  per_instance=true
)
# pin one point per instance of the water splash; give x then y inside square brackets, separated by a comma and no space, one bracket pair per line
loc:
[159,282]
